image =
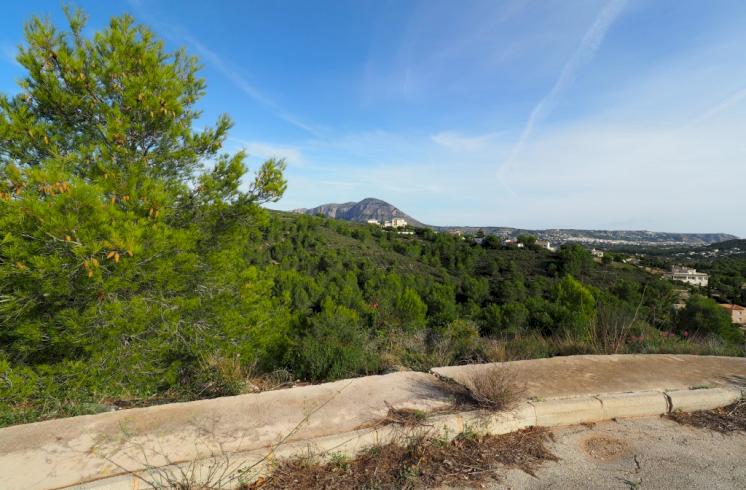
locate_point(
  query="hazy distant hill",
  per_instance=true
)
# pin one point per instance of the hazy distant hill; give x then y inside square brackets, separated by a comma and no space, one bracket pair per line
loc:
[735,245]
[371,208]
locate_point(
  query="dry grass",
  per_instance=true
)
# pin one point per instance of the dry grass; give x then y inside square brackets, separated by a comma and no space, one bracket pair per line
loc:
[405,417]
[491,388]
[423,462]
[724,420]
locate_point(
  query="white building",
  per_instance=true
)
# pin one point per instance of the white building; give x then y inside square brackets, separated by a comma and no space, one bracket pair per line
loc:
[393,223]
[545,244]
[597,253]
[688,275]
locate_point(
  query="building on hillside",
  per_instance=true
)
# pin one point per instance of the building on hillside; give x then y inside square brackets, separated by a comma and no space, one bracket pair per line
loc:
[597,253]
[687,275]
[513,242]
[737,313]
[374,222]
[398,223]
[545,244]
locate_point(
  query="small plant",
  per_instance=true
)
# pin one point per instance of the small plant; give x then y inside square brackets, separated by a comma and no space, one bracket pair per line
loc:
[492,388]
[339,460]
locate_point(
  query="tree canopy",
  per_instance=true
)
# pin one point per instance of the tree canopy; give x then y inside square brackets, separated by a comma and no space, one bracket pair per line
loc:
[122,228]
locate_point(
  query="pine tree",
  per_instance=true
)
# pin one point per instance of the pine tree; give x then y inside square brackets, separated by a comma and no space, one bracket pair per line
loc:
[122,255]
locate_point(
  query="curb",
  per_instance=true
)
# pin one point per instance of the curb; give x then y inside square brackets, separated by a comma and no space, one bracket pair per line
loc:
[543,413]
[702,399]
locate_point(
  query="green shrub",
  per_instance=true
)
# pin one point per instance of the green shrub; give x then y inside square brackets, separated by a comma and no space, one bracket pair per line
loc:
[702,316]
[334,346]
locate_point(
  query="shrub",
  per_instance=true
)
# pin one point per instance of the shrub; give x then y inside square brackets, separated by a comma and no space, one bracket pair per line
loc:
[219,376]
[703,316]
[575,308]
[334,346]
[457,343]
[492,387]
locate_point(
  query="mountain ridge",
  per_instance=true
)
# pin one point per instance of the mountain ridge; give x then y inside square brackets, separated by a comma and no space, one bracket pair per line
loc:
[374,208]
[362,211]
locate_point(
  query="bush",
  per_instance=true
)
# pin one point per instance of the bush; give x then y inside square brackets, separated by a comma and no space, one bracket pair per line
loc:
[217,376]
[457,343]
[575,308]
[703,316]
[334,346]
[492,387]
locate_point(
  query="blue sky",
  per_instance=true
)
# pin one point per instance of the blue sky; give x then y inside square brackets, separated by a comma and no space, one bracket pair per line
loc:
[548,114]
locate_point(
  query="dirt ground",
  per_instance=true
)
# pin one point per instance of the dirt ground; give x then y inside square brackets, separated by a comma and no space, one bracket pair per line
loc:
[654,453]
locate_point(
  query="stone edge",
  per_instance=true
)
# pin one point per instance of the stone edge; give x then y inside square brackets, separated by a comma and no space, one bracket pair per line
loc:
[544,413]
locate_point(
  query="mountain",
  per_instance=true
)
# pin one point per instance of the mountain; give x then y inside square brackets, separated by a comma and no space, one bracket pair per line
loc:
[371,208]
[368,208]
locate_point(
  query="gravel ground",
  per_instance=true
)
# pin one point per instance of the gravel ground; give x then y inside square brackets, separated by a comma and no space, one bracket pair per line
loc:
[654,453]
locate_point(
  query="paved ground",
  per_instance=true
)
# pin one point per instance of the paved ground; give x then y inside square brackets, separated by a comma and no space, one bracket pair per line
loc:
[589,375]
[649,453]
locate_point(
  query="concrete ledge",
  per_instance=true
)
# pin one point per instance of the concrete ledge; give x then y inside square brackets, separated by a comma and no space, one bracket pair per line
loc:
[546,413]
[641,404]
[704,399]
[108,450]
[568,411]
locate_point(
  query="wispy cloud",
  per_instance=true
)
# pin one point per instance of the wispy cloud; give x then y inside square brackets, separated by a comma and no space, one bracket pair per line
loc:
[585,52]
[722,106]
[265,150]
[460,142]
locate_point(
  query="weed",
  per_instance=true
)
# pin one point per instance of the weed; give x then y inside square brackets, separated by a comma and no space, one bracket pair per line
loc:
[492,387]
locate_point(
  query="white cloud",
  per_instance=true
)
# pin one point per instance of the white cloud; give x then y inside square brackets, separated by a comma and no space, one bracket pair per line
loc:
[585,52]
[264,151]
[460,142]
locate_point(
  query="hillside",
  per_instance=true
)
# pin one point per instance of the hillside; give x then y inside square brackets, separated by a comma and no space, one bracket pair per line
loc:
[736,246]
[372,208]
[368,208]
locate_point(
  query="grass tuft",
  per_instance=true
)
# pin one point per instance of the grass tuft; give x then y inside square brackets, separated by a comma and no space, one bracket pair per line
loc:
[491,388]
